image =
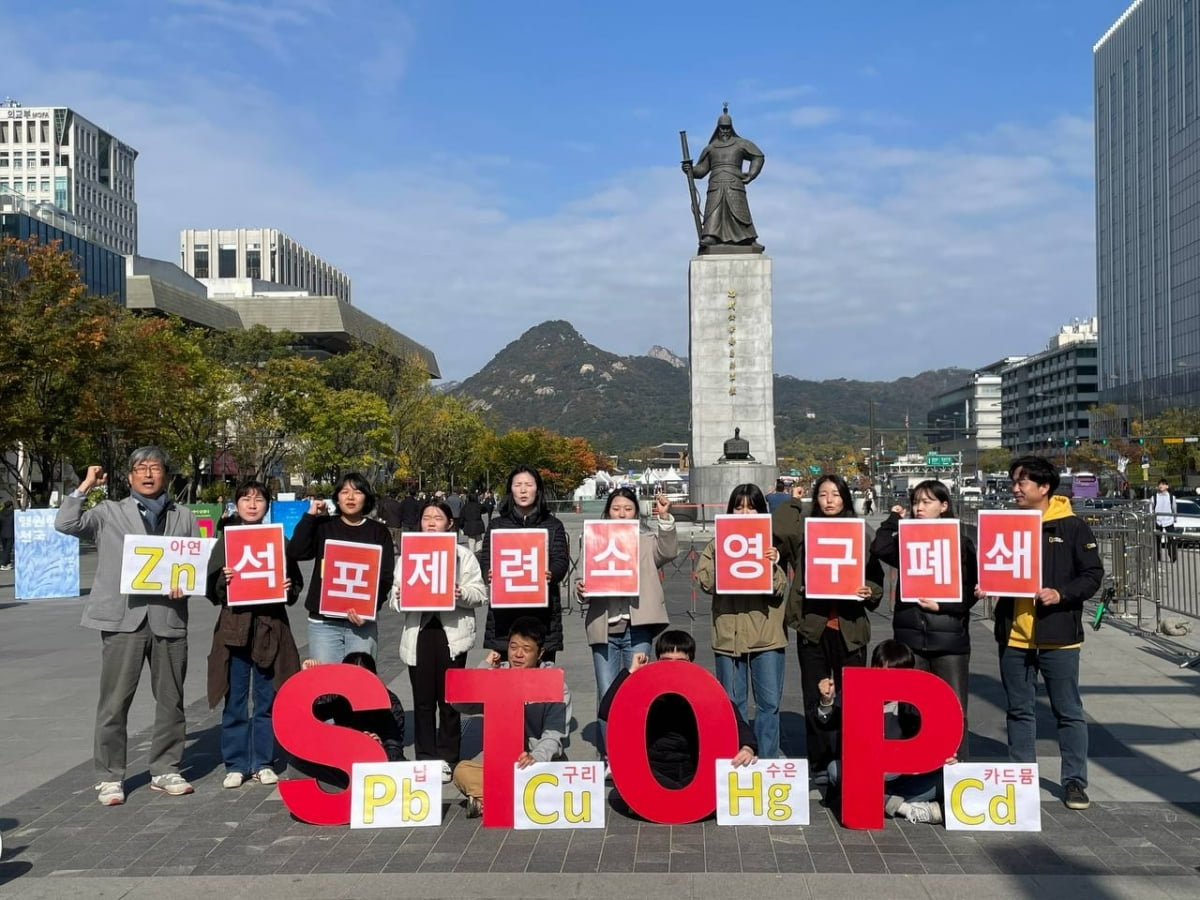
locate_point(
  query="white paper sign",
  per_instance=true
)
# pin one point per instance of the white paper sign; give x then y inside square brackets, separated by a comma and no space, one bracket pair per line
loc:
[768,792]
[396,794]
[993,797]
[559,795]
[153,564]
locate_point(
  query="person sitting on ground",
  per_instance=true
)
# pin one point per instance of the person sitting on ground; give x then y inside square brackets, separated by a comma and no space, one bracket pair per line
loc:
[672,736]
[547,725]
[912,797]
[384,726]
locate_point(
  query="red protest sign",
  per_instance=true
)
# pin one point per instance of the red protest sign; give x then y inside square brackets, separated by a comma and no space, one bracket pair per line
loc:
[427,563]
[835,558]
[350,578]
[519,561]
[255,553]
[931,560]
[610,558]
[740,555]
[1010,552]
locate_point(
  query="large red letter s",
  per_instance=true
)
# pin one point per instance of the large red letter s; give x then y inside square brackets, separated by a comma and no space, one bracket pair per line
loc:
[715,724]
[303,736]
[503,693]
[867,754]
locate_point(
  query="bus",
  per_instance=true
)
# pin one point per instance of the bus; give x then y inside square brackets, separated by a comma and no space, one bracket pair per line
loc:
[1080,485]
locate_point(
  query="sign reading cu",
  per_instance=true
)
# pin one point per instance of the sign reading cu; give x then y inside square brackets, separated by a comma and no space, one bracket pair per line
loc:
[503,693]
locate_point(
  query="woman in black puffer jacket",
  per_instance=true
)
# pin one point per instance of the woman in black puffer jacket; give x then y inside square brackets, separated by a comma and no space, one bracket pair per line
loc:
[939,634]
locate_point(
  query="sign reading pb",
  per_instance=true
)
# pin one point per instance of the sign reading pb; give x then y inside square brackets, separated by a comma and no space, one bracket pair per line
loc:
[993,797]
[396,794]
[559,795]
[153,564]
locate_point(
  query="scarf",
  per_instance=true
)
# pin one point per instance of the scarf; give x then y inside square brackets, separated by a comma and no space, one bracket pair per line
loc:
[153,510]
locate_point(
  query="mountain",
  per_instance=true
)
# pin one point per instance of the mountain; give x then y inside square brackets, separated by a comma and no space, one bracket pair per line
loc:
[552,376]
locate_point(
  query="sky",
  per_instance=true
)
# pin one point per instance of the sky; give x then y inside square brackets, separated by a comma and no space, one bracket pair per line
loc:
[478,167]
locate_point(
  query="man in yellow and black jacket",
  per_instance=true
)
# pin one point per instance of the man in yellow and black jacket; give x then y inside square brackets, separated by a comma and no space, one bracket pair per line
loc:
[1043,634]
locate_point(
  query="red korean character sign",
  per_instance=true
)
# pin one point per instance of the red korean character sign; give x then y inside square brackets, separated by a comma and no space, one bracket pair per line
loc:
[610,558]
[519,562]
[1010,552]
[835,558]
[350,579]
[255,553]
[427,564]
[741,549]
[931,560]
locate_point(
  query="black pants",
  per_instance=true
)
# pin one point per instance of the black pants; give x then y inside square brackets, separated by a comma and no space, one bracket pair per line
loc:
[954,669]
[1165,538]
[437,726]
[819,660]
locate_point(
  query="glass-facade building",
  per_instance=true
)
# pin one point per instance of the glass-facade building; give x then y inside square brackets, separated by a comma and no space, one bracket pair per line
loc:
[1148,206]
[102,270]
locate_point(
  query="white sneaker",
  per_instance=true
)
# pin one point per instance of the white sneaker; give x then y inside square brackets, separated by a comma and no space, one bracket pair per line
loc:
[266,775]
[172,783]
[233,780]
[927,811]
[447,772]
[112,793]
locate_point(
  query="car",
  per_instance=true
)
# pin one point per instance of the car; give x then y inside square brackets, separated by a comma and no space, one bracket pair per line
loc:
[1187,516]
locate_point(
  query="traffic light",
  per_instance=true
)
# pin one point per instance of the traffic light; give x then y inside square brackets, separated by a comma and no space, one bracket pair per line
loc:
[1141,440]
[1104,442]
[1066,443]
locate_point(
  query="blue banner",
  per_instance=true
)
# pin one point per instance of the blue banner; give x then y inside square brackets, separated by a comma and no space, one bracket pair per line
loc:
[287,513]
[47,563]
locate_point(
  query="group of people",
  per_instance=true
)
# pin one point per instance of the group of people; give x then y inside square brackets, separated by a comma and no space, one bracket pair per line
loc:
[254,650]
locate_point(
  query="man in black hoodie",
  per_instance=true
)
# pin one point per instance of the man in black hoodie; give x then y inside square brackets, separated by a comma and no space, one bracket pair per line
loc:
[1042,635]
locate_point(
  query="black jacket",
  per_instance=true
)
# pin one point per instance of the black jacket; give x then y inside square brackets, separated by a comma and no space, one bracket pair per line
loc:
[308,542]
[386,724]
[1071,565]
[949,629]
[495,636]
[410,513]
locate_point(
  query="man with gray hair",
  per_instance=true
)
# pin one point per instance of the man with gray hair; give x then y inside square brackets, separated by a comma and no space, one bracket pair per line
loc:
[134,627]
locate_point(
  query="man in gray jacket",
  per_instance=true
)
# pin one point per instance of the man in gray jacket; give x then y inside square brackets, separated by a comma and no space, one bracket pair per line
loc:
[134,627]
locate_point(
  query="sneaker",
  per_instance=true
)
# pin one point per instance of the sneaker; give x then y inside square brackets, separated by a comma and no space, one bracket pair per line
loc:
[895,807]
[926,811]
[233,780]
[172,783]
[474,807]
[266,775]
[112,793]
[447,773]
[1074,796]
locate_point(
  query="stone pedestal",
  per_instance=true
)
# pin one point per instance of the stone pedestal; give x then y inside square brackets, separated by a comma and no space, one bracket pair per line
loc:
[732,373]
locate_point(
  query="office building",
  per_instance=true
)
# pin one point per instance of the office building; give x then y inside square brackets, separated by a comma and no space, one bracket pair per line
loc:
[51,156]
[1147,95]
[967,418]
[1045,398]
[101,269]
[239,262]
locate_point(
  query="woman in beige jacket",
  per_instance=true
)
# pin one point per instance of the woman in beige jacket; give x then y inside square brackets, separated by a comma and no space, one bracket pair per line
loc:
[749,638]
[619,628]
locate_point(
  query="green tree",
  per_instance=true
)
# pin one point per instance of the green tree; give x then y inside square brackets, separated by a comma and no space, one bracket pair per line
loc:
[275,403]
[348,431]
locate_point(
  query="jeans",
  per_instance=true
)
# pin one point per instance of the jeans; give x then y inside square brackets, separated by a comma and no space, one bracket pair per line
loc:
[248,740]
[330,640]
[1059,669]
[765,670]
[610,658]
[6,551]
[911,788]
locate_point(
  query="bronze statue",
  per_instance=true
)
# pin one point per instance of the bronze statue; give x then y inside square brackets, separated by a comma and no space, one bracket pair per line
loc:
[727,225]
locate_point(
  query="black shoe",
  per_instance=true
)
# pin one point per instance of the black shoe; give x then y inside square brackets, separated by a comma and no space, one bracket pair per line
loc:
[1074,796]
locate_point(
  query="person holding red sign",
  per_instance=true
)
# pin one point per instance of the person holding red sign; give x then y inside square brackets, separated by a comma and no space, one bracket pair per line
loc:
[331,638]
[749,637]
[939,635]
[1042,635]
[433,643]
[524,506]
[620,628]
[253,653]
[830,634]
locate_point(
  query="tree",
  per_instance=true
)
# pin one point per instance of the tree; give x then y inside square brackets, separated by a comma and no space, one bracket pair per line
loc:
[275,403]
[447,444]
[1170,450]
[54,338]
[561,461]
[348,431]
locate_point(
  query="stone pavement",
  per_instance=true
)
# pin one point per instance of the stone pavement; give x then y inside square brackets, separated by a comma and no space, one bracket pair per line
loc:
[1141,838]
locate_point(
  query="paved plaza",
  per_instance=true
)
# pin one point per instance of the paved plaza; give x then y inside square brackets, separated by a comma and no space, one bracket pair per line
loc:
[1141,837]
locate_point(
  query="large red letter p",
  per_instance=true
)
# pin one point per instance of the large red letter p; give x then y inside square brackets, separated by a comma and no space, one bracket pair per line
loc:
[867,754]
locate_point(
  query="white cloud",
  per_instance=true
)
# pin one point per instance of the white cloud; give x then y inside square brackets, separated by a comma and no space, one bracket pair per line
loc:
[809,116]
[888,257]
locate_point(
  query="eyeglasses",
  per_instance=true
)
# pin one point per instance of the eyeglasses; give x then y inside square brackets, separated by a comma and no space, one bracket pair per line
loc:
[148,469]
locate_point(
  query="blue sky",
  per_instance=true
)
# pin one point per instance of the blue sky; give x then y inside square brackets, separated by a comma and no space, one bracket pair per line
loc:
[479,167]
